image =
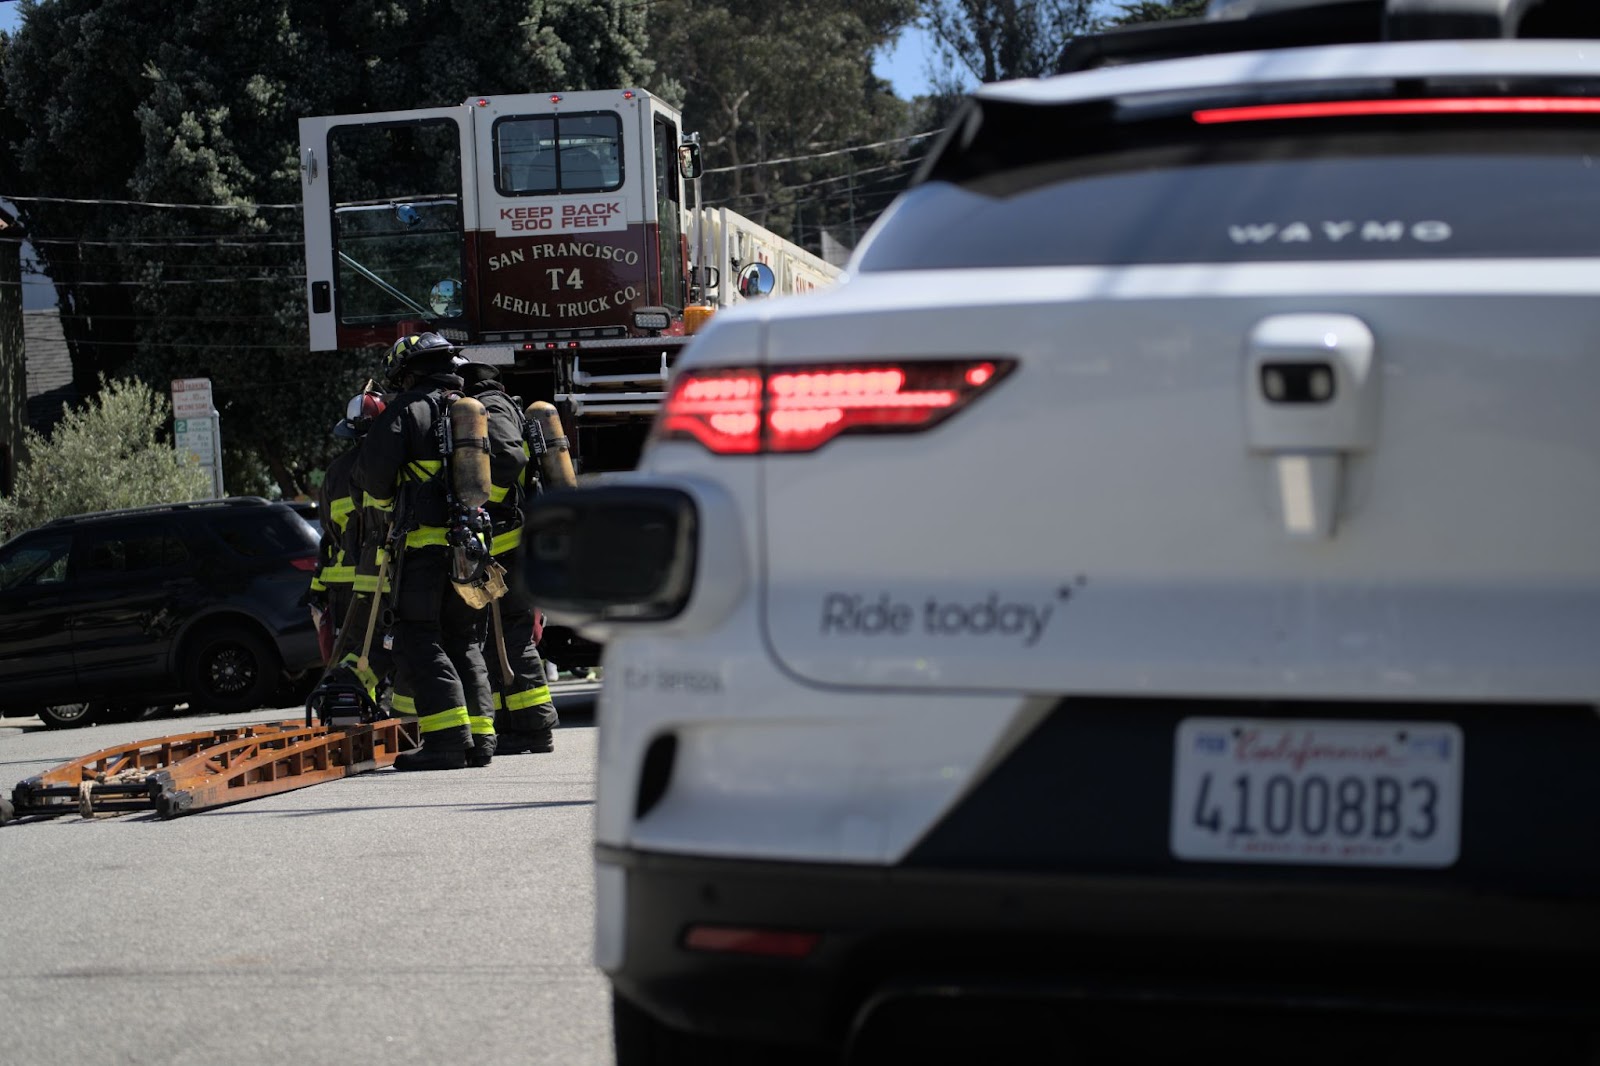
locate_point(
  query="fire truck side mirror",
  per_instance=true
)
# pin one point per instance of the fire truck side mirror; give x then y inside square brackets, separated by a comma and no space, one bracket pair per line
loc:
[445,297]
[756,280]
[689,163]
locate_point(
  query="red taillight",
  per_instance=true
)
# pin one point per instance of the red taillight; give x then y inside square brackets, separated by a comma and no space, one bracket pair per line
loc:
[739,411]
[719,408]
[1472,105]
[308,563]
[775,943]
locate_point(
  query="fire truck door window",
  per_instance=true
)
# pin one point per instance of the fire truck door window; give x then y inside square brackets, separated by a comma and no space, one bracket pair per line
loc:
[397,217]
[558,154]
[669,198]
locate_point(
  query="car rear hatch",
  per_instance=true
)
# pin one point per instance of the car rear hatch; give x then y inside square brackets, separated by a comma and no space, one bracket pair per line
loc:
[1289,404]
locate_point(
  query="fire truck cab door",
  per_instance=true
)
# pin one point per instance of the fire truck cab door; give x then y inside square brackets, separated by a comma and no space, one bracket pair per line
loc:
[387,208]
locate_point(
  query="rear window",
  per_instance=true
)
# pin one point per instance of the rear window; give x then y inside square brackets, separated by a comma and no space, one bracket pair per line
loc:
[1505,188]
[258,534]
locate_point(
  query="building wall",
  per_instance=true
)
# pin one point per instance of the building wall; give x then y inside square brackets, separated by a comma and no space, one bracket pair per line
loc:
[49,376]
[13,354]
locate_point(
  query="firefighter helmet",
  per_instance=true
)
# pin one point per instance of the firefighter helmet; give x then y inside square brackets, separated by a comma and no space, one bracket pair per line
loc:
[359,414]
[424,352]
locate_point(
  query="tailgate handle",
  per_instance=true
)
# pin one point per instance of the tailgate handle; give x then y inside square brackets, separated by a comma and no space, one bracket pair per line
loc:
[1311,402]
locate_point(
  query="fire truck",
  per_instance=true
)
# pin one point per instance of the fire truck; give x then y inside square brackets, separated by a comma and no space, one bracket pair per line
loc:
[551,234]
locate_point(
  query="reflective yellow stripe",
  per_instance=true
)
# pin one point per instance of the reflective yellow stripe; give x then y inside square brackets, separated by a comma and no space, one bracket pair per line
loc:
[426,535]
[497,705]
[433,723]
[531,698]
[378,504]
[403,704]
[498,494]
[338,575]
[339,511]
[504,542]
[368,583]
[424,469]
[364,675]
[316,583]
[481,727]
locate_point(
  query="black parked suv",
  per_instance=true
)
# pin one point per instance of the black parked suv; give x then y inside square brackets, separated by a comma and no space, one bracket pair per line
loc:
[102,615]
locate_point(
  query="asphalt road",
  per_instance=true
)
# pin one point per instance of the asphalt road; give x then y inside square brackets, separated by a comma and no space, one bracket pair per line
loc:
[387,918]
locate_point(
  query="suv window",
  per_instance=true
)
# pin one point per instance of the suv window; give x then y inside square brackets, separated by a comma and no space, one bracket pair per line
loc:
[39,561]
[129,550]
[265,534]
[1294,192]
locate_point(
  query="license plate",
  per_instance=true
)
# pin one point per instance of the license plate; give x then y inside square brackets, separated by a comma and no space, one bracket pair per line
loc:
[1317,792]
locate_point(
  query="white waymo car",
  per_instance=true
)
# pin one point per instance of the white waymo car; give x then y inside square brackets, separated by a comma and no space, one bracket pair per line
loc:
[1156,598]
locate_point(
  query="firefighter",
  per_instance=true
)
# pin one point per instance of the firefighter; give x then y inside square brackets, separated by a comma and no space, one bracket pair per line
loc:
[525,714]
[406,484]
[339,513]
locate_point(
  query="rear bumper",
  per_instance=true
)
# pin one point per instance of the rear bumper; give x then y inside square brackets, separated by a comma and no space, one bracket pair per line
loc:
[297,644]
[896,940]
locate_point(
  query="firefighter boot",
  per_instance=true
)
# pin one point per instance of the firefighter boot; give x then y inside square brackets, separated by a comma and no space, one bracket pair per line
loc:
[527,729]
[483,748]
[442,749]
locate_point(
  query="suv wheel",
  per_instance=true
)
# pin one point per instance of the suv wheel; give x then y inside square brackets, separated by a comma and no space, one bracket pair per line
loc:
[72,715]
[230,670]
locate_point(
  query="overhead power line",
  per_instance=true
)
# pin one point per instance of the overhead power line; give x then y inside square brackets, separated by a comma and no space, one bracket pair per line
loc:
[190,240]
[148,203]
[842,194]
[823,155]
[173,281]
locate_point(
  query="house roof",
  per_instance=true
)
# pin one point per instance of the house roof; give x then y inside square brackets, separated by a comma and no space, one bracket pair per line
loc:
[49,368]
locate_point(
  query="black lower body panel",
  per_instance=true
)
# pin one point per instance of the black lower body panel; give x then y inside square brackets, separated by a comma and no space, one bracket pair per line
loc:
[924,958]
[1050,896]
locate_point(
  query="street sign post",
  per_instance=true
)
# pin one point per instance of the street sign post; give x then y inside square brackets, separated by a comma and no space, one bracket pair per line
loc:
[197,428]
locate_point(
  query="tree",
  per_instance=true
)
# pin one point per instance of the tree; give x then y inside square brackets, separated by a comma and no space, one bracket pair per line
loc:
[108,454]
[195,102]
[996,40]
[1155,11]
[781,82]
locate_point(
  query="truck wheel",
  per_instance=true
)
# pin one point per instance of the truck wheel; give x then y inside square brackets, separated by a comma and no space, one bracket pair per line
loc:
[72,715]
[640,1040]
[230,670]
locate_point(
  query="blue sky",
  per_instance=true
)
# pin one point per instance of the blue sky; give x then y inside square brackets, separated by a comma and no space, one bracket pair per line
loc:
[906,63]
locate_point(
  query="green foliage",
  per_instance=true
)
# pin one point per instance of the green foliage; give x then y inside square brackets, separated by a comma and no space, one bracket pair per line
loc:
[108,454]
[996,40]
[197,102]
[779,81]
